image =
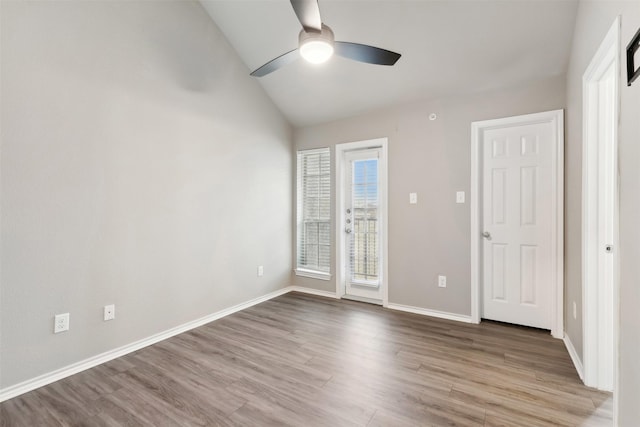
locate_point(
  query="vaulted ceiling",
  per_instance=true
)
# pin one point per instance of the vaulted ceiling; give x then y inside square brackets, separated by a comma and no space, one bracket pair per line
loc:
[448,47]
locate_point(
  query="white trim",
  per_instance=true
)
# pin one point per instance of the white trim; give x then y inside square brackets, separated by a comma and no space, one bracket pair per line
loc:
[320,275]
[58,374]
[340,149]
[596,314]
[311,291]
[431,313]
[557,231]
[574,356]
[556,118]
[384,190]
[362,299]
[474,194]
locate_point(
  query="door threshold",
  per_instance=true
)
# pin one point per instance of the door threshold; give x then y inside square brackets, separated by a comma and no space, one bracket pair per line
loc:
[362,299]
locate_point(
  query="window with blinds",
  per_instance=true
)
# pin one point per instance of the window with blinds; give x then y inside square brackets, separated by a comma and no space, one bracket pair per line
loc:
[314,213]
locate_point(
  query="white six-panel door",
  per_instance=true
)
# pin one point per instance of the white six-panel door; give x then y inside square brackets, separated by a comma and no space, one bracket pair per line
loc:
[516,224]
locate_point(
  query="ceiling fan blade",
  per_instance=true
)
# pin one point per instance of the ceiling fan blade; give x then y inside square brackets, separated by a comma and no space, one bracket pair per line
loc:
[365,53]
[277,63]
[308,14]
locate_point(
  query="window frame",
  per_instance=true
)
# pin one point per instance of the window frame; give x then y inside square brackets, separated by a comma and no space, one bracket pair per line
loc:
[302,270]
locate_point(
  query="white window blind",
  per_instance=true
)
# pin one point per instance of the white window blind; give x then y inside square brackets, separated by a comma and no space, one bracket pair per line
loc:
[314,212]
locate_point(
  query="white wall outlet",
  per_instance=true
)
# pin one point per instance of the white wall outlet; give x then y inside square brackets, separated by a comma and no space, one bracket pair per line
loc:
[61,323]
[413,198]
[109,312]
[442,281]
[260,271]
[460,197]
[575,310]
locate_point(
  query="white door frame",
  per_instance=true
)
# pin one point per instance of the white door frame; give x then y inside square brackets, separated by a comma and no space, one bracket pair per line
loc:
[383,212]
[600,303]
[556,118]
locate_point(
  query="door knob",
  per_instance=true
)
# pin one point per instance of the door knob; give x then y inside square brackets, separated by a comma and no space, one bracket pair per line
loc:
[486,235]
[347,230]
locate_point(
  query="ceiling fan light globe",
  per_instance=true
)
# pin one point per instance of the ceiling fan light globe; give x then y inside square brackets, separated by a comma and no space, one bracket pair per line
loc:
[316,51]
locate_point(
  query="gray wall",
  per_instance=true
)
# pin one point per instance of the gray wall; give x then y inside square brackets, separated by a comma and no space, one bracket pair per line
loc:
[593,21]
[141,166]
[431,158]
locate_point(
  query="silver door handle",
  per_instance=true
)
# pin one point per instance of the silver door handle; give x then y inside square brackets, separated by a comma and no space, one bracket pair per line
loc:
[347,230]
[486,235]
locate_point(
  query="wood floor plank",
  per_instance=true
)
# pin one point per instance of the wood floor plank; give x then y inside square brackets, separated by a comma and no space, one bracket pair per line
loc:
[25,410]
[303,360]
[385,418]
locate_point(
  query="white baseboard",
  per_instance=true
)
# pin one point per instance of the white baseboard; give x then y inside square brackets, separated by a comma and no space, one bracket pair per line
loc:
[391,306]
[58,374]
[432,313]
[574,356]
[311,291]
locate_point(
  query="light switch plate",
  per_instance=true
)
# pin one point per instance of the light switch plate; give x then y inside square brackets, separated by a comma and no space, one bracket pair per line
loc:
[109,312]
[61,323]
[413,198]
[442,281]
[460,197]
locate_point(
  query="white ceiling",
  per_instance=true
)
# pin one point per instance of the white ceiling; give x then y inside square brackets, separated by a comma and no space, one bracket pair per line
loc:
[448,48]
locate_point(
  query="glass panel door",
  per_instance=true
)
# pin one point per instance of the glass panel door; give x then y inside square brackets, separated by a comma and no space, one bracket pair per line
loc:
[362,227]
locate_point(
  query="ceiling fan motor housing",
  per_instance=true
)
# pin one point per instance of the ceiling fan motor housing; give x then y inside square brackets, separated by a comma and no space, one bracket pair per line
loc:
[316,47]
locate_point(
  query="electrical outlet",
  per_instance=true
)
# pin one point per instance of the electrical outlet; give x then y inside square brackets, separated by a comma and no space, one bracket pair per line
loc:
[442,281]
[260,271]
[575,310]
[61,323]
[413,198]
[109,312]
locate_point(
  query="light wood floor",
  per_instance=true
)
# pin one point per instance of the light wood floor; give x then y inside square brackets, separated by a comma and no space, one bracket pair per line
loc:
[301,360]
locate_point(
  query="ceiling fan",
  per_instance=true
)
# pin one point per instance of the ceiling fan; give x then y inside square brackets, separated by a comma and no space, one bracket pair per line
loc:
[316,43]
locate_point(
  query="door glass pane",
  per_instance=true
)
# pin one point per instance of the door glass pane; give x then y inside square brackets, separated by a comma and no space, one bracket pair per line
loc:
[364,236]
